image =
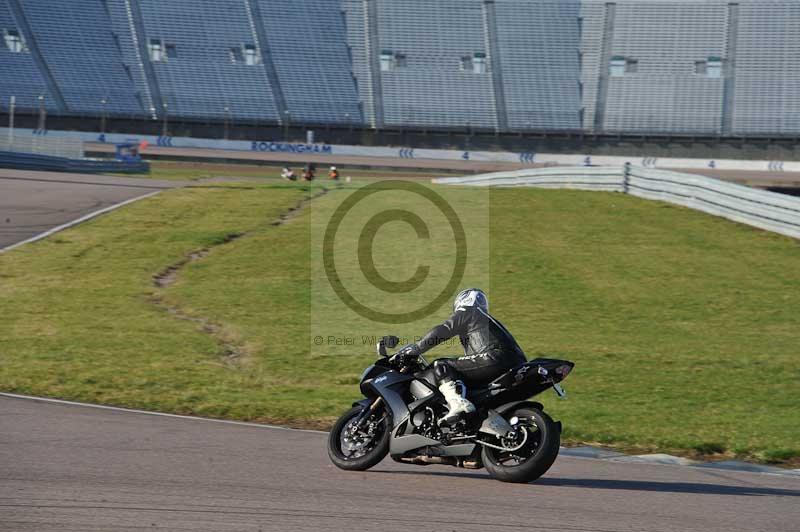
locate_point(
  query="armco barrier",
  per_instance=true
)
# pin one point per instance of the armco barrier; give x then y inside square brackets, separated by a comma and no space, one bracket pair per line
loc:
[766,210]
[35,162]
[605,178]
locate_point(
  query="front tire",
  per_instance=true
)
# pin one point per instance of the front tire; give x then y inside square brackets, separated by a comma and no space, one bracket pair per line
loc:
[535,457]
[358,450]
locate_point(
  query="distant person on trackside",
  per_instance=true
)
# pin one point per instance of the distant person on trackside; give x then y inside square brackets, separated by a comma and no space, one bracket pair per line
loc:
[288,174]
[308,172]
[333,174]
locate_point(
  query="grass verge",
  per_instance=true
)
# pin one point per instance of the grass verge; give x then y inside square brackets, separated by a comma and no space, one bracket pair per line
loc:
[684,327]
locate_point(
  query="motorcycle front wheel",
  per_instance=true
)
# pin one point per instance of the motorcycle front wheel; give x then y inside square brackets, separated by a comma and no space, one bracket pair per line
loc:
[358,448]
[540,449]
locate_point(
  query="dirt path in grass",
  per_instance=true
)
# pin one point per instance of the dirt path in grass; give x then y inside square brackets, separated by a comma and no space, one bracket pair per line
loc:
[230,350]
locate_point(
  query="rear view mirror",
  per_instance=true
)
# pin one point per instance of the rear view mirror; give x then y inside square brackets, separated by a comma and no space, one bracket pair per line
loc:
[391,341]
[387,341]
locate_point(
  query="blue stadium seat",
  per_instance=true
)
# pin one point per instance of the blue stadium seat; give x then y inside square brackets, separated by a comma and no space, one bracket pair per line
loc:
[79,50]
[205,77]
[307,39]
[539,43]
[424,82]
[19,75]
[710,67]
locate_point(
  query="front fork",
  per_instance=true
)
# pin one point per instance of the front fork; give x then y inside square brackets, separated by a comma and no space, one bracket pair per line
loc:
[367,412]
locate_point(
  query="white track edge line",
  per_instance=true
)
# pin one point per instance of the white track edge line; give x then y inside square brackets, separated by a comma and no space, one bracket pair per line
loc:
[151,413]
[77,221]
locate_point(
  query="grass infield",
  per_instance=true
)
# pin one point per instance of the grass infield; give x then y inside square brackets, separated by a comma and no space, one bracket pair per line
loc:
[684,328]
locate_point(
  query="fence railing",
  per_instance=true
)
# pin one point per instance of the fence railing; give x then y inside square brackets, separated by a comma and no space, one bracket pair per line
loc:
[69,147]
[50,163]
[759,208]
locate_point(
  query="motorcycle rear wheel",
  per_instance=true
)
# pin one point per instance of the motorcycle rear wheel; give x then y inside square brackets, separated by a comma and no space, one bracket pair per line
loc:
[358,450]
[534,458]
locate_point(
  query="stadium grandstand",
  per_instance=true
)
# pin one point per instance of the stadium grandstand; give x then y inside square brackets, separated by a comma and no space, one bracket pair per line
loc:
[671,67]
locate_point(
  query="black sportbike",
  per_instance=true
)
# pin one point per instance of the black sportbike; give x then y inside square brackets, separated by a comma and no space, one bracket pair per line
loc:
[513,438]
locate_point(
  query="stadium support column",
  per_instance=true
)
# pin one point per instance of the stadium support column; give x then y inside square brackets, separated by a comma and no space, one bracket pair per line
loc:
[372,49]
[139,37]
[729,84]
[36,54]
[605,60]
[493,47]
[260,34]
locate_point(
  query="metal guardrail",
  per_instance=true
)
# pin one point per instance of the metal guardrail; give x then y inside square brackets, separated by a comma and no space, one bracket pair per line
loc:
[606,178]
[69,147]
[759,208]
[49,163]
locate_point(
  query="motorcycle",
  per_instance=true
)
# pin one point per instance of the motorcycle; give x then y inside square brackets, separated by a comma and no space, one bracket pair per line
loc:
[512,437]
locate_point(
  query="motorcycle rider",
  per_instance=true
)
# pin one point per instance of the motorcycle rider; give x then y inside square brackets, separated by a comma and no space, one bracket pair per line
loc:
[489,350]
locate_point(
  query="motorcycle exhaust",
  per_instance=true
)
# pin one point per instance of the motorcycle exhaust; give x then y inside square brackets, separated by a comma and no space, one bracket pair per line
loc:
[429,460]
[470,463]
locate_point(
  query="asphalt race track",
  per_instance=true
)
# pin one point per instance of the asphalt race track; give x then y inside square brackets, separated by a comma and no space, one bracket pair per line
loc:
[33,202]
[76,468]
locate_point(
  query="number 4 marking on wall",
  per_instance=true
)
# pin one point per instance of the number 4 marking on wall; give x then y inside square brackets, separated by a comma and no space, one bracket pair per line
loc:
[712,164]
[465,156]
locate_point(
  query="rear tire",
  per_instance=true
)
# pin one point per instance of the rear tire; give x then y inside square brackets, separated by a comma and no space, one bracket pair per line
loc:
[374,449]
[538,454]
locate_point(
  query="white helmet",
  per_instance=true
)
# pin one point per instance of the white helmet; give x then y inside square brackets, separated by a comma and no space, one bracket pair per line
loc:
[333,168]
[471,297]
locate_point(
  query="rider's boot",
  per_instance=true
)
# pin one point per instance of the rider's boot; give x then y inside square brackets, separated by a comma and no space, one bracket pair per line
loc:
[458,404]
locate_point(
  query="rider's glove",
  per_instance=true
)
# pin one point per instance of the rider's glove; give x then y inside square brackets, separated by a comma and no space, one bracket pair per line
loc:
[406,353]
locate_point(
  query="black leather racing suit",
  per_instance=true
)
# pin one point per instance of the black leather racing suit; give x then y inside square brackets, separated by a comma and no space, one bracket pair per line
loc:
[489,349]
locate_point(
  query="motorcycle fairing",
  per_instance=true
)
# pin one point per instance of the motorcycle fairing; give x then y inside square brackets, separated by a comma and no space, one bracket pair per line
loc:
[390,385]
